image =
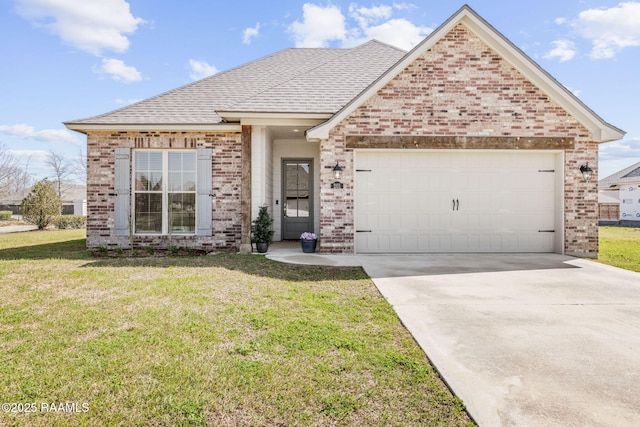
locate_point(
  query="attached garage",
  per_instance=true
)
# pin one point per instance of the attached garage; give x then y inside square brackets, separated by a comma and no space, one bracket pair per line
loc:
[420,201]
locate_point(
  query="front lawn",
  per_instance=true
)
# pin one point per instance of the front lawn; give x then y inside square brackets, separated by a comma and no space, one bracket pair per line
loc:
[620,247]
[223,340]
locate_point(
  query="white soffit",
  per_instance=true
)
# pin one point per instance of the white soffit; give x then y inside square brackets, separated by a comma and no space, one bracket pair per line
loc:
[150,127]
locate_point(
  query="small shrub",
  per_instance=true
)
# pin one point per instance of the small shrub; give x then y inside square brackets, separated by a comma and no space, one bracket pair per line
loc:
[262,227]
[150,250]
[173,250]
[5,215]
[42,205]
[103,249]
[66,222]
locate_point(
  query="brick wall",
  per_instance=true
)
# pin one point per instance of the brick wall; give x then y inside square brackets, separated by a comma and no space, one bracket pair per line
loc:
[226,171]
[460,87]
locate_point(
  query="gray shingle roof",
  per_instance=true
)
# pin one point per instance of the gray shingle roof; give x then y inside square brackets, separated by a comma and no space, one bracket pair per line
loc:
[292,80]
[630,174]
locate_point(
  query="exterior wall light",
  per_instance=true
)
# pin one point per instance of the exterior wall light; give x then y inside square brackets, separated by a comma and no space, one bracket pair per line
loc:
[337,174]
[587,172]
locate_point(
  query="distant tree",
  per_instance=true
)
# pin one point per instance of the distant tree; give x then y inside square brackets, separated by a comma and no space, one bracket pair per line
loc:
[42,205]
[62,168]
[14,176]
[80,166]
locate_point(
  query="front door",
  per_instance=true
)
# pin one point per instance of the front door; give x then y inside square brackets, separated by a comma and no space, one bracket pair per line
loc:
[297,196]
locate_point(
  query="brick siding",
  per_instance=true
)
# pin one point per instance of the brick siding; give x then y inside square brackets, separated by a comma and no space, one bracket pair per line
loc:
[460,87]
[226,171]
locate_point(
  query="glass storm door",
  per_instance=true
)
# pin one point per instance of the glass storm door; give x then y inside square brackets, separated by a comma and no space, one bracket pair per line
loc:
[297,196]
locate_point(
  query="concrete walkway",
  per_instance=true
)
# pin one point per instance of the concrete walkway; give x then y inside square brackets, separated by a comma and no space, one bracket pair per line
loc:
[523,340]
[17,228]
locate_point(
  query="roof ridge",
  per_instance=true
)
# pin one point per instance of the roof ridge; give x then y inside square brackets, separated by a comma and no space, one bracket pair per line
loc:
[382,43]
[343,52]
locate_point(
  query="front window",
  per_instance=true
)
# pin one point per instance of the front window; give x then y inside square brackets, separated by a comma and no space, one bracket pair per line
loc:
[165,192]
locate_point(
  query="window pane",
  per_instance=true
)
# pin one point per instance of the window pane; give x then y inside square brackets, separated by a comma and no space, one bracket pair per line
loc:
[142,160]
[182,166]
[189,181]
[303,207]
[189,161]
[175,181]
[148,166]
[175,161]
[155,161]
[148,211]
[182,212]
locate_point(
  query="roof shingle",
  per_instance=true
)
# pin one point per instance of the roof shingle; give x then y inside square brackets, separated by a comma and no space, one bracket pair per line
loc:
[295,80]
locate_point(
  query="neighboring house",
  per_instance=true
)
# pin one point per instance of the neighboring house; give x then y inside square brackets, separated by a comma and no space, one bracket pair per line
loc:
[608,207]
[620,193]
[463,144]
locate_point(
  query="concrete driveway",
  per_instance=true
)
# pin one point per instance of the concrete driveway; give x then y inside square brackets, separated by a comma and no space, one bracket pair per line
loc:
[524,340]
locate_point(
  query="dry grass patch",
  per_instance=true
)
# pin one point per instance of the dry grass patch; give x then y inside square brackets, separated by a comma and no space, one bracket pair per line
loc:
[208,340]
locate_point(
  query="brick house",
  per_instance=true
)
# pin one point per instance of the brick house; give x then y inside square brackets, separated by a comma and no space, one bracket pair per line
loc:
[463,144]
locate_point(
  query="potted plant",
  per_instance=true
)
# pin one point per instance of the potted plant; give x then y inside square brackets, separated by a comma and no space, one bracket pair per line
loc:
[308,241]
[262,230]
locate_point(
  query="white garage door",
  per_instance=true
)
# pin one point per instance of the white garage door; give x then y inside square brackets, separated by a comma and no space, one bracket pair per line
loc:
[426,201]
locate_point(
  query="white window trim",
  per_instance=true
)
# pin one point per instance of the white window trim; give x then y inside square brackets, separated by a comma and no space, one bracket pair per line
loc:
[165,192]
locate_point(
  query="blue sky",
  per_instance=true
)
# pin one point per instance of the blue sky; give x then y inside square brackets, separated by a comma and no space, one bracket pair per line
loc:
[67,59]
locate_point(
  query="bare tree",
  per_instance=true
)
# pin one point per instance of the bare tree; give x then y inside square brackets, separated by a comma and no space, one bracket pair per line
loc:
[62,168]
[15,179]
[80,166]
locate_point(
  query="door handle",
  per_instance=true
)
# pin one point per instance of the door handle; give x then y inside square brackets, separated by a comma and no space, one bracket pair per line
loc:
[454,204]
[457,204]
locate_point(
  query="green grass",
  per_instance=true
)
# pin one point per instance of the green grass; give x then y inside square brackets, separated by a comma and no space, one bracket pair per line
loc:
[223,340]
[620,247]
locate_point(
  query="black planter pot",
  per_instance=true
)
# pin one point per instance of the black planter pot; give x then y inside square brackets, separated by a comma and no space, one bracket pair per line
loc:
[262,247]
[308,246]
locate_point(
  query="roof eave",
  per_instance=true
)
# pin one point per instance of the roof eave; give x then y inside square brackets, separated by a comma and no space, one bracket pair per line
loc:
[153,127]
[246,115]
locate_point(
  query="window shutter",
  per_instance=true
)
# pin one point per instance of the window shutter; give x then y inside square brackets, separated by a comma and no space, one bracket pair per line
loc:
[204,203]
[122,209]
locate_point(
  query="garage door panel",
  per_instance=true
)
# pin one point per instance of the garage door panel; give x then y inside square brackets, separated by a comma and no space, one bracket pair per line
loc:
[408,202]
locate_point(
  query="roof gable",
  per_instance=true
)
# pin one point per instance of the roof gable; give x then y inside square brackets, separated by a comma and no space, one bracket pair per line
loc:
[626,175]
[556,92]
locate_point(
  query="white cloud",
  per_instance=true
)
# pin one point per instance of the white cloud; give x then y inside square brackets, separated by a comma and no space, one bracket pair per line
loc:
[610,30]
[620,150]
[40,156]
[200,69]
[324,24]
[25,131]
[250,33]
[404,6]
[365,16]
[564,50]
[398,32]
[90,25]
[319,26]
[560,21]
[129,101]
[118,70]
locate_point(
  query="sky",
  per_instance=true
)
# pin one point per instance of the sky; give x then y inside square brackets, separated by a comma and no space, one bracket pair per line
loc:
[62,60]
